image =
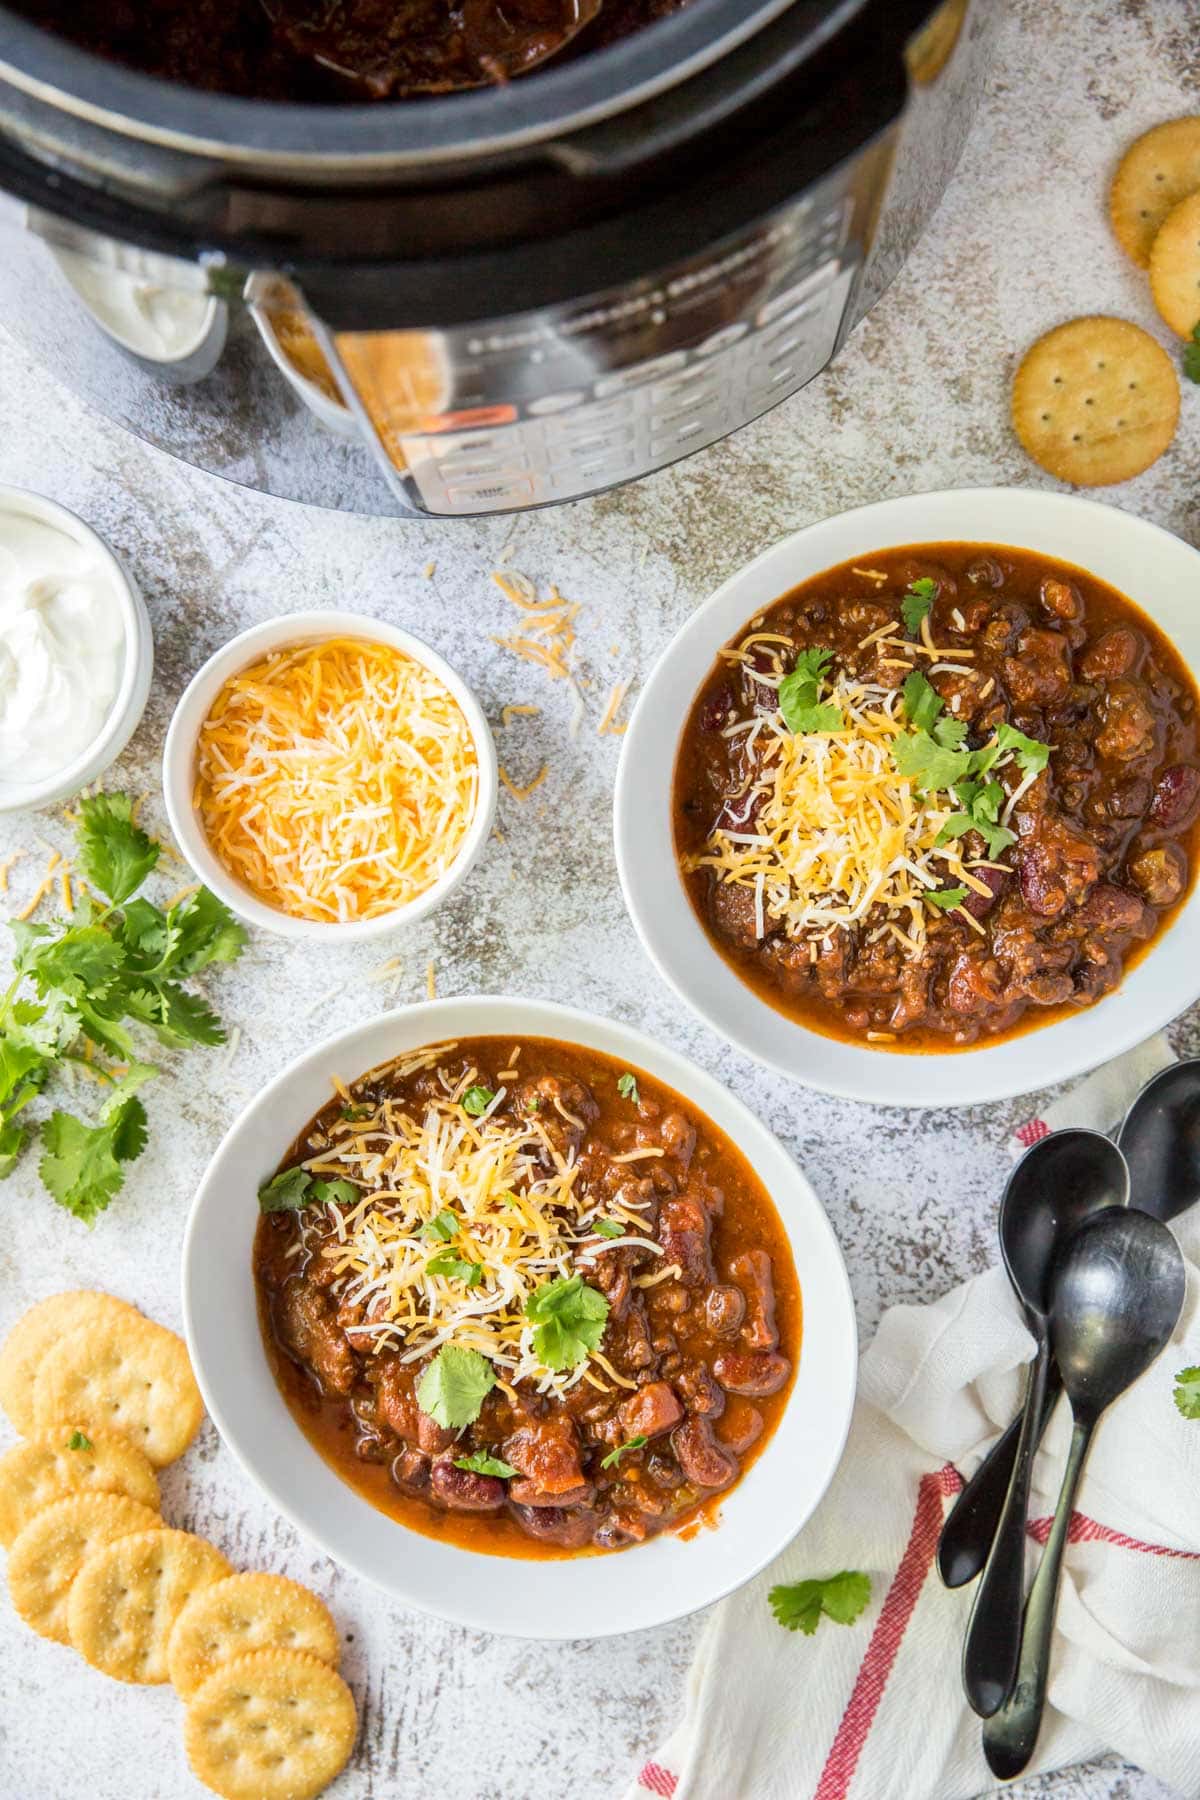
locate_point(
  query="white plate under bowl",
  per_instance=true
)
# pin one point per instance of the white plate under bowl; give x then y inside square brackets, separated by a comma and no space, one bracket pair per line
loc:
[586,1596]
[1159,572]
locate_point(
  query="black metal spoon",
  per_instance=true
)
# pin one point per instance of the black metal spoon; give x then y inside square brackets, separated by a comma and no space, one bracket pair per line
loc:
[1053,1188]
[1116,1295]
[1160,1139]
[1161,1143]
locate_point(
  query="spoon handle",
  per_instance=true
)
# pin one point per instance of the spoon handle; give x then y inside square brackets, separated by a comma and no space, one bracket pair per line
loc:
[993,1643]
[972,1521]
[1010,1737]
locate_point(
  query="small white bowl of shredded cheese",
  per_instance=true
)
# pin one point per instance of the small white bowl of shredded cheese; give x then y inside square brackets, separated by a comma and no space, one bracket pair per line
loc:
[76,653]
[329,776]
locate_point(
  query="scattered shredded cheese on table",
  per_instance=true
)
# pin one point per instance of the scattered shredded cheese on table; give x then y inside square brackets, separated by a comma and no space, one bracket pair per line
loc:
[336,779]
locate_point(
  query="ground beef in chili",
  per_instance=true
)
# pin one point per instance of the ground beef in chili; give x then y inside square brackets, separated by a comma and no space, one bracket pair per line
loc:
[1107,836]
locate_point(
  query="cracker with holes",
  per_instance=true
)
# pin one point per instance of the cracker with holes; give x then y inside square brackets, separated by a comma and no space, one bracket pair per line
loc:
[126,1599]
[69,1459]
[1175,267]
[35,1334]
[48,1555]
[127,1374]
[252,1611]
[1155,174]
[1095,401]
[272,1725]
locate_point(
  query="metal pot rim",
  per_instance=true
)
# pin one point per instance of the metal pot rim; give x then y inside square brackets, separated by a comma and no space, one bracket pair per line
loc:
[372,138]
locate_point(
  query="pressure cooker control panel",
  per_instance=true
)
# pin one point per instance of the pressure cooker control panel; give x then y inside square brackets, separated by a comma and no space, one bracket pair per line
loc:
[550,407]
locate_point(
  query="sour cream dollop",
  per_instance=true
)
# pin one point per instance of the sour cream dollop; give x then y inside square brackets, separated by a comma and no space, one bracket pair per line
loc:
[62,648]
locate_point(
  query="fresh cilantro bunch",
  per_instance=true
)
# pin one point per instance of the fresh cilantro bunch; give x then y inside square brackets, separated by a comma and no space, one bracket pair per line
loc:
[934,755]
[1187,1392]
[799,695]
[77,988]
[799,1605]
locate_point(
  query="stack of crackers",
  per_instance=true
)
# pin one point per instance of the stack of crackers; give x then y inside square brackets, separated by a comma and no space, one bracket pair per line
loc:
[1097,400]
[103,1397]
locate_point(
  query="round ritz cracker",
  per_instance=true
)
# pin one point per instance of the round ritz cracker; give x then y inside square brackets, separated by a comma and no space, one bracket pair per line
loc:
[1175,267]
[68,1460]
[125,1373]
[271,1725]
[1095,401]
[48,1555]
[35,1333]
[1155,174]
[250,1611]
[126,1598]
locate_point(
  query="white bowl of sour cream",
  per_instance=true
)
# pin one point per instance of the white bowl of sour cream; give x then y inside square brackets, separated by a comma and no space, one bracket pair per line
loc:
[76,652]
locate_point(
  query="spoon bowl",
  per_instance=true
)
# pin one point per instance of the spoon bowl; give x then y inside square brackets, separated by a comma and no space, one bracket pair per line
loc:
[1053,1188]
[1160,1139]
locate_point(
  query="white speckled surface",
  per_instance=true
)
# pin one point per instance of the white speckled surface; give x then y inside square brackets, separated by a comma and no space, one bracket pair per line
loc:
[918,400]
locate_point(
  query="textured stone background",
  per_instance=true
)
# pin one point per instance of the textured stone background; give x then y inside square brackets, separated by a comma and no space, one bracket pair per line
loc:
[917,401]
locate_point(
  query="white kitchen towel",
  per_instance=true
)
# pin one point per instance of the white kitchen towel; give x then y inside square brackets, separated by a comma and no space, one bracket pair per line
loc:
[874,1711]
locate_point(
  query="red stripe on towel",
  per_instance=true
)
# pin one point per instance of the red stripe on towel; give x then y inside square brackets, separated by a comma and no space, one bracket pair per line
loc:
[890,1627]
[1083,1530]
[1032,1132]
[657,1780]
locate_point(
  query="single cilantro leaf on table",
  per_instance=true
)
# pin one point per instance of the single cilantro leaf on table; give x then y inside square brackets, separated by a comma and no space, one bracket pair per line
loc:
[1187,1392]
[798,1605]
[480,1462]
[114,854]
[81,1165]
[917,603]
[454,1386]
[1191,356]
[800,695]
[568,1319]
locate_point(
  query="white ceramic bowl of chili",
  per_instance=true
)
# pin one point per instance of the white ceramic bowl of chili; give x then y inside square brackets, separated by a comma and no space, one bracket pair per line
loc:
[1157,571]
[179,772]
[584,1596]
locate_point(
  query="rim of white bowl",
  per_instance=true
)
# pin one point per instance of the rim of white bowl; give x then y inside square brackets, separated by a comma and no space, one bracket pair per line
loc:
[828,1364]
[192,710]
[1068,527]
[129,702]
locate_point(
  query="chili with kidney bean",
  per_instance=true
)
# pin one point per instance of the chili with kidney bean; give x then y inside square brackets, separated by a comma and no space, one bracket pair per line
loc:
[1106,837]
[703,1319]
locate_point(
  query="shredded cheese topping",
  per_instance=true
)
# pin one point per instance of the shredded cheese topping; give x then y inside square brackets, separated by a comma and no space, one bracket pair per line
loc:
[517,1216]
[838,830]
[336,780]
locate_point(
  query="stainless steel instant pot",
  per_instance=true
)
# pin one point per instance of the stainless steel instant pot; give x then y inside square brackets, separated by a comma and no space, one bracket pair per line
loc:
[489,301]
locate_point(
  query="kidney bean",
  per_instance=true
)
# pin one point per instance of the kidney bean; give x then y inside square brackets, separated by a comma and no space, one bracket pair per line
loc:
[716,708]
[754,1372]
[699,1457]
[464,1491]
[1176,796]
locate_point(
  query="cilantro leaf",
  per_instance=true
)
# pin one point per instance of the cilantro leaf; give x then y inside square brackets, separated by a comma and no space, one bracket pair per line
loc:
[286,1192]
[355,1114]
[799,695]
[917,603]
[456,1268]
[1191,356]
[798,1605]
[476,1100]
[454,1386]
[444,1226]
[950,733]
[944,898]
[983,801]
[922,702]
[83,961]
[335,1193]
[1031,756]
[1187,1382]
[627,1087]
[927,763]
[206,932]
[614,1456]
[81,1165]
[13,1139]
[78,1441]
[481,1462]
[114,854]
[607,1228]
[568,1321]
[21,1066]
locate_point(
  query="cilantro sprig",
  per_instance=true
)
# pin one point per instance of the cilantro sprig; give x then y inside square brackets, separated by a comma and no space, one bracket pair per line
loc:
[614,1456]
[1187,1392]
[917,603]
[80,990]
[455,1385]
[568,1319]
[799,695]
[481,1462]
[800,1605]
[293,1189]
